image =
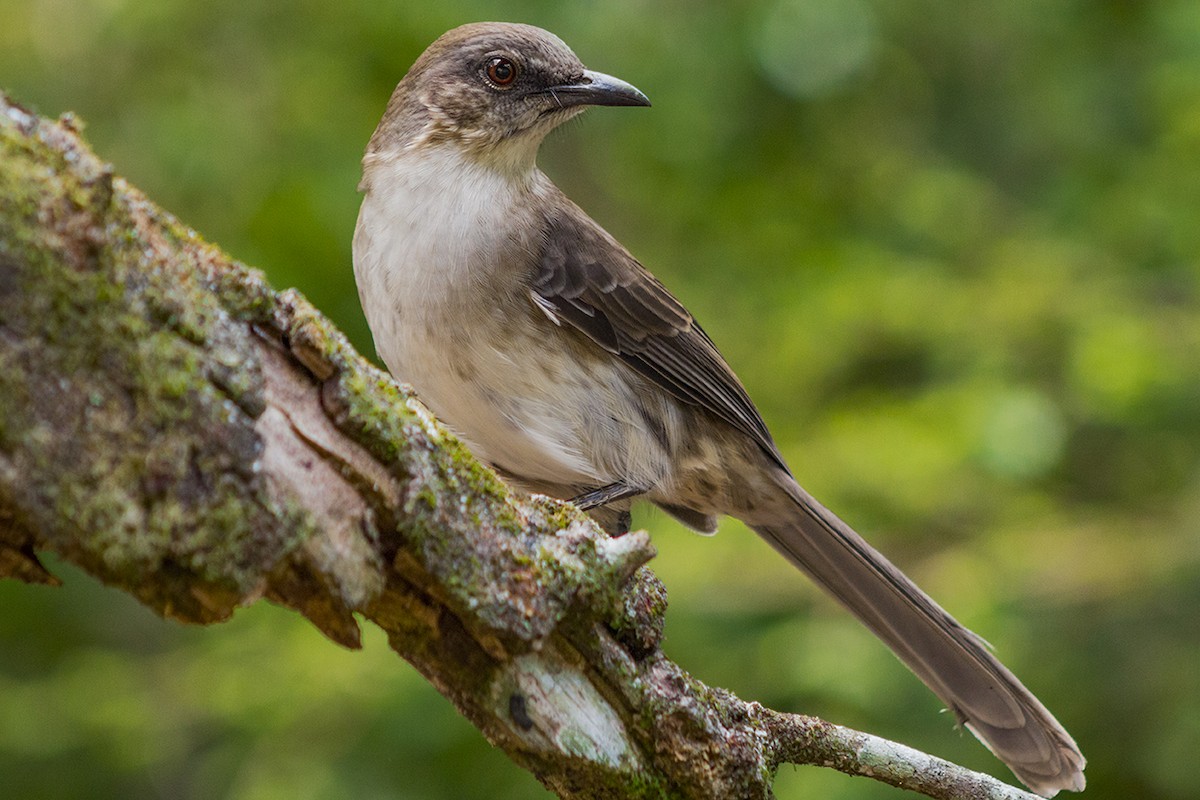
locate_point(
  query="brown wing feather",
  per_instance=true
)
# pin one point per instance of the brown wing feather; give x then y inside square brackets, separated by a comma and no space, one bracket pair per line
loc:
[587,279]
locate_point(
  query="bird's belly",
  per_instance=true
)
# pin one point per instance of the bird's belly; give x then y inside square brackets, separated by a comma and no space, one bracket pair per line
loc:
[510,421]
[516,404]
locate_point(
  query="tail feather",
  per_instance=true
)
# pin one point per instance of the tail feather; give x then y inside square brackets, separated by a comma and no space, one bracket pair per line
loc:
[952,661]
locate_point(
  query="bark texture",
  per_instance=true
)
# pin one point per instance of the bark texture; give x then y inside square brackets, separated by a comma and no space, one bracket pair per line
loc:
[181,431]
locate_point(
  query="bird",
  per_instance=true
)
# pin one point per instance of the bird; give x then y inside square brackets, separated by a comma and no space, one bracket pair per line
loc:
[536,337]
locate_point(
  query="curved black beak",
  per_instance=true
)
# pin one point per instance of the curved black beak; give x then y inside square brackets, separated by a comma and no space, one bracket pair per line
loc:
[597,89]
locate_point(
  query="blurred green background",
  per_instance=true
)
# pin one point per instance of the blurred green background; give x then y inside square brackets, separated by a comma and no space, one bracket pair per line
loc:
[953,250]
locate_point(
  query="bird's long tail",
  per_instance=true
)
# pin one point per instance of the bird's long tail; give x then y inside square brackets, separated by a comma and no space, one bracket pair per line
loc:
[951,660]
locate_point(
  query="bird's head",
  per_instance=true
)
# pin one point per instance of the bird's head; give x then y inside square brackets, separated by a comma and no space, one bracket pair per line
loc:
[494,89]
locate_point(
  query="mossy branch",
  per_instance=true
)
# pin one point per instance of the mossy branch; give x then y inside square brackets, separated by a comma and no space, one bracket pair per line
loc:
[181,431]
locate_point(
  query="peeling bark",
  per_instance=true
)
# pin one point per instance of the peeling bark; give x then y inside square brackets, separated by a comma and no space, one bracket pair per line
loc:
[181,431]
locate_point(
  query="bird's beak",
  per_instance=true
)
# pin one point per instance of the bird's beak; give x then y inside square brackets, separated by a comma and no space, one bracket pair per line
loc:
[598,89]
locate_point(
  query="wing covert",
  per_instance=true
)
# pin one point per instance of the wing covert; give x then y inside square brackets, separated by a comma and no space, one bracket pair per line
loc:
[587,279]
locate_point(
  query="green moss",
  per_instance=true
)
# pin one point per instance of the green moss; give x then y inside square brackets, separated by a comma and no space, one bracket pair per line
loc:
[93,410]
[640,785]
[425,496]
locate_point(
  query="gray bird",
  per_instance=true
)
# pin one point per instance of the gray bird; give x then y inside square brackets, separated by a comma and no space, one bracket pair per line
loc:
[561,361]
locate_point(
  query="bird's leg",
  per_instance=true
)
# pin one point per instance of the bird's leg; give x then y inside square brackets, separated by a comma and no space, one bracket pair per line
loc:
[617,525]
[606,494]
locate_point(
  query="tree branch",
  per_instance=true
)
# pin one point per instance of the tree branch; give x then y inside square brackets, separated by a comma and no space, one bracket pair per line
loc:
[179,430]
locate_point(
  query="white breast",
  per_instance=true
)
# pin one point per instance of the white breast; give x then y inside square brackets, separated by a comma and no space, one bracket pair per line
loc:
[424,226]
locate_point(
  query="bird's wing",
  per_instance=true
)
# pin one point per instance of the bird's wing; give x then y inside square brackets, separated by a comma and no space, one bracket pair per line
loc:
[588,280]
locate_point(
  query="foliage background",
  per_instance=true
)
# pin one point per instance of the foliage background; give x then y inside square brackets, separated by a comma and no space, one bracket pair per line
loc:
[950,247]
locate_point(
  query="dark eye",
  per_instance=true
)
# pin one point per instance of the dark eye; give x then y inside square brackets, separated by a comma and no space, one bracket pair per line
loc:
[501,71]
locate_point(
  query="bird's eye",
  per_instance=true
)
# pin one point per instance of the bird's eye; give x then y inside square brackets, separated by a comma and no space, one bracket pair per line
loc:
[501,72]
